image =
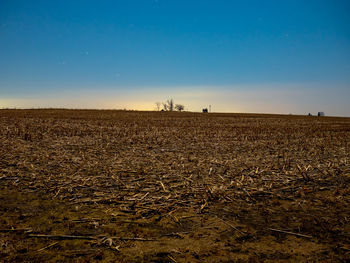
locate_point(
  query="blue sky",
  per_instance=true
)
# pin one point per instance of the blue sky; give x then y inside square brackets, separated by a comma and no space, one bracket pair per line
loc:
[239,56]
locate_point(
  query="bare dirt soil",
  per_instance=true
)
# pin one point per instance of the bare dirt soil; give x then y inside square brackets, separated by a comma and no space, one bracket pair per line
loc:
[123,186]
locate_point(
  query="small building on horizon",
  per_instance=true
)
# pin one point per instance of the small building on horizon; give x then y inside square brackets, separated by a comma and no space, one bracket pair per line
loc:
[320,113]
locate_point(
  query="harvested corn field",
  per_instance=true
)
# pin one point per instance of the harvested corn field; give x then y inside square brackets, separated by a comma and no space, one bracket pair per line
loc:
[89,185]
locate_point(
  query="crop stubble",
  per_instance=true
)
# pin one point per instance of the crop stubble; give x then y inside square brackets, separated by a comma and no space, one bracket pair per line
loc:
[173,187]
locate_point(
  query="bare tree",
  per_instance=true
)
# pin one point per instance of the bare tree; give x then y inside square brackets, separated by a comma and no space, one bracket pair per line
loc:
[170,104]
[158,106]
[179,107]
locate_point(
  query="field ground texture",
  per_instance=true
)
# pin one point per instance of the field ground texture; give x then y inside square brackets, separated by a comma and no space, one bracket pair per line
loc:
[105,186]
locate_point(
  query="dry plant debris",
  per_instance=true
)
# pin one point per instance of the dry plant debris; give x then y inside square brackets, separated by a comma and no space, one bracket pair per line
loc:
[126,186]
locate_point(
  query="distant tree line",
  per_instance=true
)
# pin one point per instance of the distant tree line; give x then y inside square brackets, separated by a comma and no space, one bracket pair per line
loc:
[169,105]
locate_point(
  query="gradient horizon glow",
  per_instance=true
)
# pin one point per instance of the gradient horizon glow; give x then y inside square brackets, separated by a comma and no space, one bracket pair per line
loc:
[238,56]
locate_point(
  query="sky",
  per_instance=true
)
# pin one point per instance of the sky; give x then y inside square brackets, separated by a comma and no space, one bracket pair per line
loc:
[237,56]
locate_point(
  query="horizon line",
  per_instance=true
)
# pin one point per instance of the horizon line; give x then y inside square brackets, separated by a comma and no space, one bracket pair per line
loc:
[174,111]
